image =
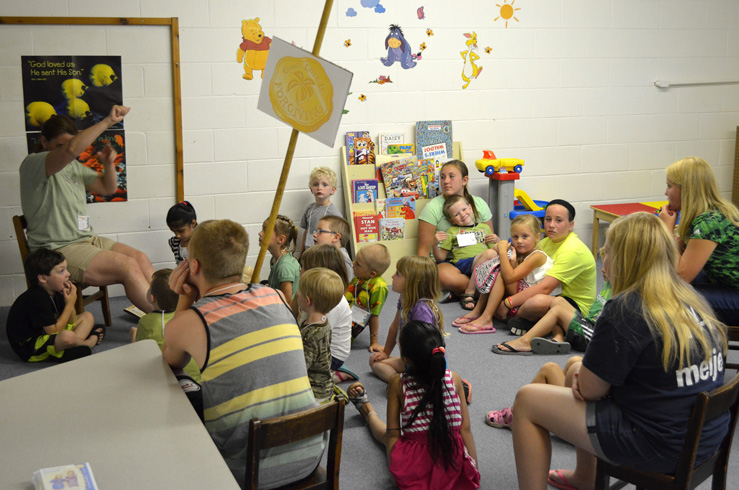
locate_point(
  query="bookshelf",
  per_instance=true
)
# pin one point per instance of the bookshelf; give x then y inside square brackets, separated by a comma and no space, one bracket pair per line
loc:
[397,248]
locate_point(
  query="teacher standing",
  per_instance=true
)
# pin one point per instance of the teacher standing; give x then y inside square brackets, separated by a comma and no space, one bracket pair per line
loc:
[453,179]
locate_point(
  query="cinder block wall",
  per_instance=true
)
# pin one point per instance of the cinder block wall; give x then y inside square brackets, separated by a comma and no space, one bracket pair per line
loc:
[569,88]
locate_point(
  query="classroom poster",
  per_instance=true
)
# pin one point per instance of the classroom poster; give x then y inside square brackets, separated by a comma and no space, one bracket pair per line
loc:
[304,91]
[83,88]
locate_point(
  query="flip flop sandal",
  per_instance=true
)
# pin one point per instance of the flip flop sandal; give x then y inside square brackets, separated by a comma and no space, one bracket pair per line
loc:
[467,302]
[541,345]
[485,275]
[510,352]
[456,323]
[500,419]
[563,484]
[479,330]
[98,332]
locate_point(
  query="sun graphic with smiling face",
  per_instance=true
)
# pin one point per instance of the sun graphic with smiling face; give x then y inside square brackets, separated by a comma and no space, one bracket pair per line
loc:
[507,11]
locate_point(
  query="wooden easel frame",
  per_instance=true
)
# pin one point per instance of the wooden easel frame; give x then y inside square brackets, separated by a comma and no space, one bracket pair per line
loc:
[174,30]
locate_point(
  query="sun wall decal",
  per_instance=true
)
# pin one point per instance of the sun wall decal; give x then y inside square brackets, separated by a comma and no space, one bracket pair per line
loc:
[507,12]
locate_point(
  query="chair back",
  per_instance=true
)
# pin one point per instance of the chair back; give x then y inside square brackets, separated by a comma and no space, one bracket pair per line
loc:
[708,406]
[20,225]
[278,431]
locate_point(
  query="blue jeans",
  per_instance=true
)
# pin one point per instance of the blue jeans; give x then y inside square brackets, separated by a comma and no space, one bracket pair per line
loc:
[723,299]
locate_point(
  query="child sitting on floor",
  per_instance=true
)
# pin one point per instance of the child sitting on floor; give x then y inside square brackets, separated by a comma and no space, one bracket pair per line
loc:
[469,243]
[568,326]
[427,437]
[284,270]
[526,266]
[320,291]
[334,231]
[417,281]
[182,220]
[42,323]
[368,291]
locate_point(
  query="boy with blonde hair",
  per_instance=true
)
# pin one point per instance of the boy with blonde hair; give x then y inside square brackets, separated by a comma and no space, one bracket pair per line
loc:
[320,291]
[322,184]
[334,231]
[368,291]
[219,330]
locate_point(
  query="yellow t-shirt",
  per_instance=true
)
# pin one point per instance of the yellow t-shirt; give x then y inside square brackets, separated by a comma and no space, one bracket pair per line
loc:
[574,266]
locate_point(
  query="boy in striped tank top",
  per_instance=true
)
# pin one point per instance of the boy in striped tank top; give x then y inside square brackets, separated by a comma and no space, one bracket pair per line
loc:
[248,347]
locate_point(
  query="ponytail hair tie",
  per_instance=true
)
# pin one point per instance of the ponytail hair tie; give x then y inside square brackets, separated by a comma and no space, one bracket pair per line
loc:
[437,350]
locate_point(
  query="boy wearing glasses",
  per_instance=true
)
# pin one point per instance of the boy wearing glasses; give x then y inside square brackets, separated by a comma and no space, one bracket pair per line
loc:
[334,231]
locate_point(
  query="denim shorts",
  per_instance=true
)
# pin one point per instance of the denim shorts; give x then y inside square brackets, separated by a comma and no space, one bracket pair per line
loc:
[465,266]
[617,440]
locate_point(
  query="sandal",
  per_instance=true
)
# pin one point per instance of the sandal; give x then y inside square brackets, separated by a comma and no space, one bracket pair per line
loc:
[467,302]
[500,419]
[463,320]
[98,332]
[357,400]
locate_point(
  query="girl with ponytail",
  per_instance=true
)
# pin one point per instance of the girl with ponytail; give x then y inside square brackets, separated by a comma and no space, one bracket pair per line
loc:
[428,438]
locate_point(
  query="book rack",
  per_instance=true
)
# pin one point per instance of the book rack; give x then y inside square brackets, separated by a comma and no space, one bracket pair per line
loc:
[397,248]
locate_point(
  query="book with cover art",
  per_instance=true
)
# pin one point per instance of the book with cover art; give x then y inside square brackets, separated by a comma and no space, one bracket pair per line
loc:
[400,207]
[429,170]
[409,148]
[366,226]
[350,144]
[392,229]
[390,139]
[364,190]
[402,179]
[433,134]
[364,151]
[78,476]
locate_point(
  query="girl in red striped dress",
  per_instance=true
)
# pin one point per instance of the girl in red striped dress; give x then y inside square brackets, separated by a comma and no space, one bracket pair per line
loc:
[428,439]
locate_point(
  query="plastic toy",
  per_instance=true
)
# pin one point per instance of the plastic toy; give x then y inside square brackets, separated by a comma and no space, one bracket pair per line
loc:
[490,164]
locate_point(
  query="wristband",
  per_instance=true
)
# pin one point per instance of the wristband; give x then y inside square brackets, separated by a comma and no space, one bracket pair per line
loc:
[507,303]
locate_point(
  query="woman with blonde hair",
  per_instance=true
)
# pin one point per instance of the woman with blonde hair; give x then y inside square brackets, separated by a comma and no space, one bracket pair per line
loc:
[416,279]
[707,236]
[656,345]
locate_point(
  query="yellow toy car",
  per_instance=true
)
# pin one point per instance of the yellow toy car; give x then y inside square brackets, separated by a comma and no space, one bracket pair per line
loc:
[490,164]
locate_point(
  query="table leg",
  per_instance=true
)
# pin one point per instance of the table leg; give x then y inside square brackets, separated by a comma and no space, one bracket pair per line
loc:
[596,229]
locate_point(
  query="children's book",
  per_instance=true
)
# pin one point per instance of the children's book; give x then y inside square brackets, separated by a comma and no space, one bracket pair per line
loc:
[409,148]
[402,179]
[392,229]
[364,151]
[77,476]
[380,206]
[429,170]
[366,226]
[134,311]
[390,139]
[364,190]
[350,144]
[432,134]
[400,207]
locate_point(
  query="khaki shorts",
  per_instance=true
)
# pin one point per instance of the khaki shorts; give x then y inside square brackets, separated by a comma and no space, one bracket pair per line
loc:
[80,254]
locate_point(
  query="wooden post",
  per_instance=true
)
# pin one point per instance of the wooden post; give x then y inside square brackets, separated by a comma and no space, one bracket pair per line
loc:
[288,158]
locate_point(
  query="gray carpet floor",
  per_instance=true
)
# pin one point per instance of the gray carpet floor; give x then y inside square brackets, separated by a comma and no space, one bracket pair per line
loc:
[494,378]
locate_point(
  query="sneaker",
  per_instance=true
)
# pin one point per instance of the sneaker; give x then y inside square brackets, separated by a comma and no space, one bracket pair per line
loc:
[446,297]
[467,387]
[519,326]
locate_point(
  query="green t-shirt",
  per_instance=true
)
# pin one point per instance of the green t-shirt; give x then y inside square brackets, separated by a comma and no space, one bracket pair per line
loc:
[433,212]
[574,266]
[600,300]
[459,253]
[371,294]
[286,269]
[722,266]
[52,205]
[151,326]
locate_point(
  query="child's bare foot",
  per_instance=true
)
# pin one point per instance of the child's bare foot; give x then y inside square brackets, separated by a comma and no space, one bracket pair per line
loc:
[477,327]
[132,333]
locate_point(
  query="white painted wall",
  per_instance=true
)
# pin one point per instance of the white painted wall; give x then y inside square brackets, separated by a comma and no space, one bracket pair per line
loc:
[569,88]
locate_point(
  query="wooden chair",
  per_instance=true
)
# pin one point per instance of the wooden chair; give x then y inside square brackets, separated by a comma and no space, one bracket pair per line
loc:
[19,222]
[278,431]
[707,407]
